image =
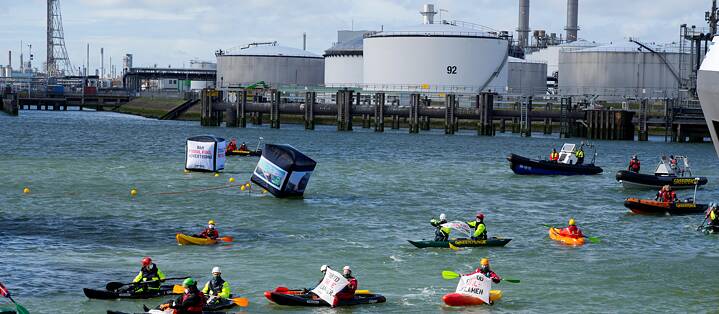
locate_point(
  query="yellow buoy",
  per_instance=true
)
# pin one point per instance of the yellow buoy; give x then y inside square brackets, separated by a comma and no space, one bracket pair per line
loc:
[247,185]
[26,190]
[133,192]
[232,180]
[242,188]
[264,191]
[217,174]
[187,171]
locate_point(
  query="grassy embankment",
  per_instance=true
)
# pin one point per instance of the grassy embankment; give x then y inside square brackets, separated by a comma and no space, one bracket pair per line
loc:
[153,107]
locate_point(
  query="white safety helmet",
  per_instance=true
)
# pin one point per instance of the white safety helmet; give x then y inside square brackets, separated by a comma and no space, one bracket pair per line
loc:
[346,269]
[216,269]
[323,268]
[442,216]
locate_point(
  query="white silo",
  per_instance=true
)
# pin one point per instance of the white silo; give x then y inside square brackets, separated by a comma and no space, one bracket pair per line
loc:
[623,70]
[457,57]
[344,63]
[550,55]
[273,64]
[526,78]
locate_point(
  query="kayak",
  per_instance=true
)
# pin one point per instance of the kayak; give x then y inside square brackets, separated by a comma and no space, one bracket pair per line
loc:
[190,240]
[555,234]
[460,299]
[630,179]
[110,295]
[461,243]
[163,312]
[652,207]
[526,166]
[208,309]
[245,153]
[300,298]
[709,229]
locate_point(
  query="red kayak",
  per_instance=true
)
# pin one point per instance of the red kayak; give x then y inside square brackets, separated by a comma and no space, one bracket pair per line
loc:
[459,299]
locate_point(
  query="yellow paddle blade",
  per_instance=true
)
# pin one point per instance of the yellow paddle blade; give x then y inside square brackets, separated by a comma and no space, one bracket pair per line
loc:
[241,302]
[178,289]
[363,292]
[451,246]
[448,274]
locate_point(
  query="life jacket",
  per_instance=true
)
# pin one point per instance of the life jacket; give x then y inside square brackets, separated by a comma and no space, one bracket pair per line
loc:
[571,231]
[215,286]
[195,308]
[554,156]
[475,225]
[150,274]
[580,154]
[634,164]
[243,147]
[231,146]
[210,233]
[349,290]
[669,196]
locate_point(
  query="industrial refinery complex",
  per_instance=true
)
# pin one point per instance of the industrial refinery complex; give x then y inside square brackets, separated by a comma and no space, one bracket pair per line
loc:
[646,87]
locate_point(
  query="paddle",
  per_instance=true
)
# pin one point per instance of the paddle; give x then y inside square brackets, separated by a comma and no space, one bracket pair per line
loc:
[594,240]
[226,239]
[448,274]
[114,285]
[6,293]
[241,302]
[286,290]
[451,246]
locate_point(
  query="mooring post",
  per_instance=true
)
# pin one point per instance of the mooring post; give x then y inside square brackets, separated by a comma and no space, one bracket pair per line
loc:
[309,117]
[528,117]
[275,99]
[242,108]
[344,110]
[379,112]
[414,102]
[643,111]
[449,114]
[548,121]
[565,105]
[485,105]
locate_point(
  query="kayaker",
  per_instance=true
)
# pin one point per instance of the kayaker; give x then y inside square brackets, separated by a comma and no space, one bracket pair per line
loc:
[485,270]
[210,232]
[349,290]
[572,230]
[191,302]
[634,164]
[233,145]
[243,147]
[713,215]
[554,156]
[440,233]
[480,230]
[217,288]
[580,155]
[148,272]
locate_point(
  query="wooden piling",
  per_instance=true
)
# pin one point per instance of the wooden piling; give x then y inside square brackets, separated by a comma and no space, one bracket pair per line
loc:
[275,99]
[379,112]
[450,119]
[414,104]
[309,116]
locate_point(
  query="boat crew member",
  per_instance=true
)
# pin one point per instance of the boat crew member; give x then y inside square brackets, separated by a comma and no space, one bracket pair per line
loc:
[191,302]
[485,270]
[323,270]
[148,272]
[349,290]
[713,215]
[210,232]
[666,194]
[480,230]
[634,164]
[580,156]
[572,230]
[233,145]
[243,147]
[673,162]
[554,156]
[441,233]
[217,288]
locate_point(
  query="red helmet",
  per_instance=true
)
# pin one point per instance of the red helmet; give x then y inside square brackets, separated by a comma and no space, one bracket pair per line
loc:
[480,216]
[146,261]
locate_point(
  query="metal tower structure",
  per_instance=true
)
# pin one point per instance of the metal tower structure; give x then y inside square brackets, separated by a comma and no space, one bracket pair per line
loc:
[58,62]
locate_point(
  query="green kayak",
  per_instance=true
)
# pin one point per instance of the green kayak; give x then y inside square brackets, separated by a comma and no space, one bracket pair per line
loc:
[461,243]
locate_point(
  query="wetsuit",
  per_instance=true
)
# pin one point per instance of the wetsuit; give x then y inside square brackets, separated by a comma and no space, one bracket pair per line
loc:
[191,302]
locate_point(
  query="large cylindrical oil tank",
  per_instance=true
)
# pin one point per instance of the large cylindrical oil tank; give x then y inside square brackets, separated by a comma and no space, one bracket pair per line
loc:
[435,58]
[344,64]
[273,64]
[526,78]
[550,55]
[622,70]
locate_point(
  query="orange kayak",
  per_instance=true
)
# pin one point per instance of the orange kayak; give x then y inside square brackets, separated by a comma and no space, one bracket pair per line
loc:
[190,240]
[555,235]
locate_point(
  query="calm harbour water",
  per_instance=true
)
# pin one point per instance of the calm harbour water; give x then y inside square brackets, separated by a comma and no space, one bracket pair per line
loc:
[369,194]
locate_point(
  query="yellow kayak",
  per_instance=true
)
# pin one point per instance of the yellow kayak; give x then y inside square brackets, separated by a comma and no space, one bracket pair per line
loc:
[190,240]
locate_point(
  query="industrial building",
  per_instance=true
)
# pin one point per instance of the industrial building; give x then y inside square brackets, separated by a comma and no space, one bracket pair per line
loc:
[268,62]
[550,54]
[431,57]
[202,65]
[625,70]
[526,78]
[344,62]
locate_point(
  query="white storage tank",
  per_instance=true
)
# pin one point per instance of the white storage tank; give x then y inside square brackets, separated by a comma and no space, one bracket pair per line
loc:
[622,70]
[202,65]
[550,55]
[526,78]
[273,64]
[344,63]
[458,57]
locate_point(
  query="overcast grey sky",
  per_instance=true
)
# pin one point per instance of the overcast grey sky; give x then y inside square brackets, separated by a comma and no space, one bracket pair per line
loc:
[171,32]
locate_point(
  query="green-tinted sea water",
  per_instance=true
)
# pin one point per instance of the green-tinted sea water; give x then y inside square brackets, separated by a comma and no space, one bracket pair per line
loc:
[370,193]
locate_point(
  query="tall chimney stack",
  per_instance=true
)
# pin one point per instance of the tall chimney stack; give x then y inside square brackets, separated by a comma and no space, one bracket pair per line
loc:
[304,41]
[523,28]
[9,58]
[102,62]
[428,13]
[572,17]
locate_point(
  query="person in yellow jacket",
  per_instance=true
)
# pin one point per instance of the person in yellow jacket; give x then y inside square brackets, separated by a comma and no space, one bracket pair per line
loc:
[441,233]
[148,272]
[480,230]
[580,155]
[217,289]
